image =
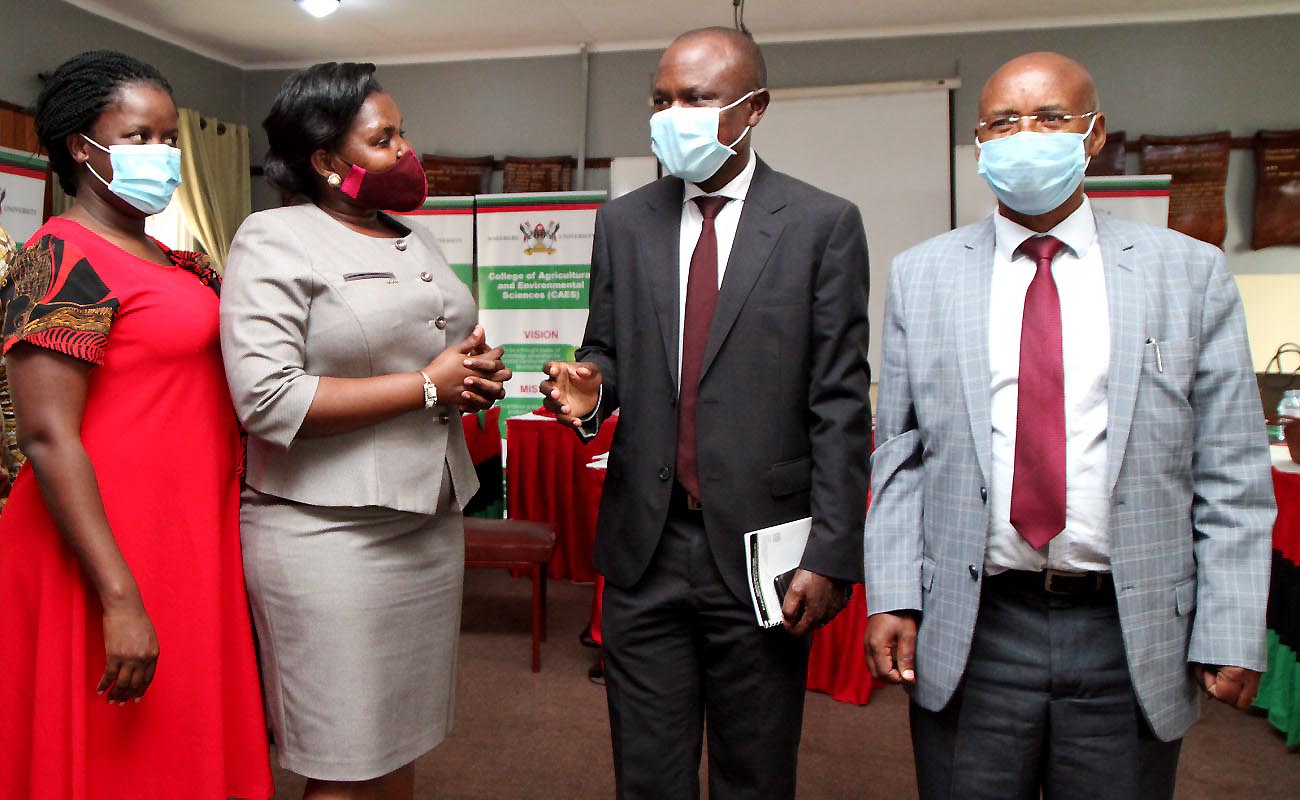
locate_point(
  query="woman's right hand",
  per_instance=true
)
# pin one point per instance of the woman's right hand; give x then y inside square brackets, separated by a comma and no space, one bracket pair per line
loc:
[449,371]
[131,646]
[49,393]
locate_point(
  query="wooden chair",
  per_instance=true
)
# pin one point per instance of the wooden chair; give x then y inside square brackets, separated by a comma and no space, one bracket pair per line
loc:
[514,544]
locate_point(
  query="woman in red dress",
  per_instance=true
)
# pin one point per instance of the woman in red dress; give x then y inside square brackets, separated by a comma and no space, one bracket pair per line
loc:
[128,665]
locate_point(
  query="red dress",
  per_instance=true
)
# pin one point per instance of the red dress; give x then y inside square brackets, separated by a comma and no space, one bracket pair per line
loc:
[162,436]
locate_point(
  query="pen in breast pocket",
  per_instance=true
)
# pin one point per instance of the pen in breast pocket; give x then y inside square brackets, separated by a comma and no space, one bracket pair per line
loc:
[1160,364]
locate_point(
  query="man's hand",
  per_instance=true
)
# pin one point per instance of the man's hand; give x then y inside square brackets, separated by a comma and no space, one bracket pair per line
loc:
[891,646]
[811,601]
[1235,686]
[571,391]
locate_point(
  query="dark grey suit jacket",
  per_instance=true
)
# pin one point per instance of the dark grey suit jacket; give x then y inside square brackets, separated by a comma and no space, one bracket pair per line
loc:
[784,419]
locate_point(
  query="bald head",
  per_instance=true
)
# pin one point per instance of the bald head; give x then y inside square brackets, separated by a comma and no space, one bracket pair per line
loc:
[1039,82]
[1053,95]
[730,50]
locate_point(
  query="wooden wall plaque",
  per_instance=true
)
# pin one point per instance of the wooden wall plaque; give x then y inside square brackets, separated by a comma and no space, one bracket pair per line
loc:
[1110,161]
[1277,189]
[18,131]
[453,176]
[1199,166]
[550,174]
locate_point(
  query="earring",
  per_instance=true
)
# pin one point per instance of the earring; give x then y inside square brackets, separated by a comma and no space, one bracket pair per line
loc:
[334,180]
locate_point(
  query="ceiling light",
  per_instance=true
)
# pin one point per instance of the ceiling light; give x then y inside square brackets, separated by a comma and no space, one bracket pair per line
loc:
[318,8]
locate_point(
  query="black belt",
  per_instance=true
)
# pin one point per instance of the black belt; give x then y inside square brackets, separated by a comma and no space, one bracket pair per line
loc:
[1054,583]
[681,500]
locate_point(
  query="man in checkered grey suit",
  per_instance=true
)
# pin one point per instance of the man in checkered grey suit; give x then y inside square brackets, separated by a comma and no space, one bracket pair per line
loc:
[1070,527]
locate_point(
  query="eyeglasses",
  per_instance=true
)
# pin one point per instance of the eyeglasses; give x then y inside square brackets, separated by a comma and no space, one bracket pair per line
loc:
[1051,121]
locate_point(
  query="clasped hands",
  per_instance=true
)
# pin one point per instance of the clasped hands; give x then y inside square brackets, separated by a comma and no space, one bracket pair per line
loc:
[469,375]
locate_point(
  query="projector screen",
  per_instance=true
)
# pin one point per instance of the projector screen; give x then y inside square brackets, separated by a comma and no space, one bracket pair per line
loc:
[883,146]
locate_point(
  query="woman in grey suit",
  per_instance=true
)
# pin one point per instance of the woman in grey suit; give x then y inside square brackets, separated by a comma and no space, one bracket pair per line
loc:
[350,348]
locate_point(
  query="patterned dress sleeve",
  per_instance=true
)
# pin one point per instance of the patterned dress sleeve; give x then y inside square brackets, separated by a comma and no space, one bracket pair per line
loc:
[200,264]
[7,248]
[10,456]
[51,297]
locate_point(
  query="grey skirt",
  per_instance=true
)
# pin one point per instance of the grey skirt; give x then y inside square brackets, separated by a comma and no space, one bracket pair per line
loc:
[357,613]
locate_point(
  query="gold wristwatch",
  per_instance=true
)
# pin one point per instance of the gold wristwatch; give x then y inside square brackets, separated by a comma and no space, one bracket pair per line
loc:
[430,391]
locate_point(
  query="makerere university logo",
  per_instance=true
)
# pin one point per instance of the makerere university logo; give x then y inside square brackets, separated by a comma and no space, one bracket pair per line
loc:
[541,236]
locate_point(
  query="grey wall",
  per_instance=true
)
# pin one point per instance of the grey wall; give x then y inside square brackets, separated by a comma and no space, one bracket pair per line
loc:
[527,107]
[1240,75]
[37,35]
[1168,79]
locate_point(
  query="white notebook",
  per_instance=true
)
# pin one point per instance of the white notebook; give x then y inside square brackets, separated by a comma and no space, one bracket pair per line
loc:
[770,552]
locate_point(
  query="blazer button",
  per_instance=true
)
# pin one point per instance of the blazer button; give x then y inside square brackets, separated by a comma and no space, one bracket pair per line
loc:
[984,494]
[426,277]
[443,417]
[440,323]
[665,473]
[974,572]
[400,244]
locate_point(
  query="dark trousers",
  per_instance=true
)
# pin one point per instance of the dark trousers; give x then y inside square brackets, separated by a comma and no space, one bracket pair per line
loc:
[1046,705]
[681,651]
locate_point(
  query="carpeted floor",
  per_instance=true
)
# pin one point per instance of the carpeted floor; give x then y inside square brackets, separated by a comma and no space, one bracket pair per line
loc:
[521,736]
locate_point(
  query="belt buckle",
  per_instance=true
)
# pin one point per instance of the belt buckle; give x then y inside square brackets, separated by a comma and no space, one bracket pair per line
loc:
[1050,576]
[693,504]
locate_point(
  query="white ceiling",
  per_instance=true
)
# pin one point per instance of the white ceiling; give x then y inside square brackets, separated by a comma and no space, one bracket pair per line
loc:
[275,33]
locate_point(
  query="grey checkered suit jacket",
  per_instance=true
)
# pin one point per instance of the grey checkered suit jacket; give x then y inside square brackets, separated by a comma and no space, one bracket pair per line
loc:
[1191,503]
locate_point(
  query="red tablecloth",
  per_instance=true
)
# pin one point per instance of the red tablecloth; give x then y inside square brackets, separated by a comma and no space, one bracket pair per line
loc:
[595,480]
[1279,689]
[1286,531]
[549,481]
[837,664]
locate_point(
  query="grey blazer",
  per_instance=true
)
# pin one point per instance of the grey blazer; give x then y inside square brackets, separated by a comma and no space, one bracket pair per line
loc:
[1191,501]
[304,297]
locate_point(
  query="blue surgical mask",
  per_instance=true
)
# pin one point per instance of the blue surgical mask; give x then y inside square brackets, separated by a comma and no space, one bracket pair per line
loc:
[144,175]
[685,140]
[1033,172]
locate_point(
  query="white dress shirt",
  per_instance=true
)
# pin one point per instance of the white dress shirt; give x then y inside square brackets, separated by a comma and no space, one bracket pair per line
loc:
[724,225]
[1085,338]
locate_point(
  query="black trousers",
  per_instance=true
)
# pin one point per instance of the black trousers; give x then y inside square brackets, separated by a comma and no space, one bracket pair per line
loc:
[1046,705]
[683,654]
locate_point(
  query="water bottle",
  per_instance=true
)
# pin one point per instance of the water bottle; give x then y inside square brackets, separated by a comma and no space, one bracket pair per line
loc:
[1288,406]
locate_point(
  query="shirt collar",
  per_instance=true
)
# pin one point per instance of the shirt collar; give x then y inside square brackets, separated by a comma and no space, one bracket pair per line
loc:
[1078,231]
[736,189]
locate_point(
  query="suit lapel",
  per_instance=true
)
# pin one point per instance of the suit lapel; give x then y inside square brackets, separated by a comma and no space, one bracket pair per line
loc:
[660,247]
[756,237]
[974,292]
[1126,300]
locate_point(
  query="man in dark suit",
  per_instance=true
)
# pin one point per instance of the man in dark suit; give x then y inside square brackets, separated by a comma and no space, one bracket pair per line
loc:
[728,321]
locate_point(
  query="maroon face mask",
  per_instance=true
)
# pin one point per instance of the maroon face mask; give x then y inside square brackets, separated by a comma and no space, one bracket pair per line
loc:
[401,187]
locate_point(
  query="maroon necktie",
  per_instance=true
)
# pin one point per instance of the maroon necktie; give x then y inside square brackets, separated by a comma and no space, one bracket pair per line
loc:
[701,298]
[1038,483]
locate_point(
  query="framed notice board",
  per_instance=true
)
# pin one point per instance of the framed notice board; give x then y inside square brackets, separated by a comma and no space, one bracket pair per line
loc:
[24,174]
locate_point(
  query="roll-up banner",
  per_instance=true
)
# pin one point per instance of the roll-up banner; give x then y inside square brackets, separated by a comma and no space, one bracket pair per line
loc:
[451,219]
[534,280]
[22,192]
